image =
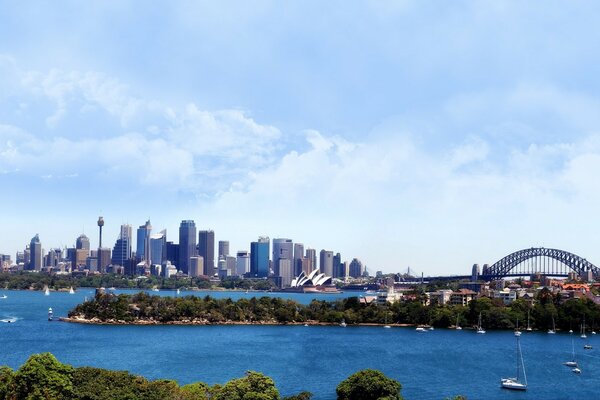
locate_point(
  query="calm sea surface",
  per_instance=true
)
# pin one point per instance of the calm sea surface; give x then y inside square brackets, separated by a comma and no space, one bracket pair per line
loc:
[430,365]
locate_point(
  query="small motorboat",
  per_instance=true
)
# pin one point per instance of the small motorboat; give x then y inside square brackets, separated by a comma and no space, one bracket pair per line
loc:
[576,370]
[587,346]
[420,329]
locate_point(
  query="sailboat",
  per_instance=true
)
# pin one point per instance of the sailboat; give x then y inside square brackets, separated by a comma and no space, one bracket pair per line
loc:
[71,291]
[386,324]
[458,328]
[479,327]
[517,331]
[573,362]
[178,291]
[593,331]
[515,383]
[46,291]
[553,330]
[528,326]
[583,335]
[50,314]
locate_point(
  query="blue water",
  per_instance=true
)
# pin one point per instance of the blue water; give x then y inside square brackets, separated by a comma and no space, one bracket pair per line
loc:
[432,365]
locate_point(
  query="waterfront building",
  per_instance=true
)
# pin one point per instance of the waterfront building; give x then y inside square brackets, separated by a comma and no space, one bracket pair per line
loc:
[206,249]
[158,247]
[311,254]
[259,257]
[187,244]
[223,248]
[143,238]
[169,270]
[356,269]
[122,249]
[242,263]
[35,249]
[298,256]
[315,278]
[196,266]
[326,262]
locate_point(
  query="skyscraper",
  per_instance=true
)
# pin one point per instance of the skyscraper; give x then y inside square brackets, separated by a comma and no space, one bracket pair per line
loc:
[223,248]
[187,244]
[173,253]
[338,266]
[356,268]
[104,256]
[206,249]
[122,250]
[158,248]
[35,248]
[143,242]
[82,242]
[82,251]
[259,257]
[242,263]
[326,262]
[283,249]
[311,254]
[298,256]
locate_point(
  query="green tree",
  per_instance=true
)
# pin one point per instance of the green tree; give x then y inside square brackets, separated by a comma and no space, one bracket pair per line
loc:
[254,386]
[6,379]
[196,391]
[369,384]
[300,396]
[43,377]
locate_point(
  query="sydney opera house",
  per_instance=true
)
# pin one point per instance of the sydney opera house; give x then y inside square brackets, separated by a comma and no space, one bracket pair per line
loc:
[313,282]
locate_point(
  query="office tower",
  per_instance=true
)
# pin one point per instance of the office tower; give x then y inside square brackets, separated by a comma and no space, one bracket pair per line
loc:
[298,256]
[356,268]
[242,263]
[158,248]
[338,267]
[187,244]
[82,242]
[305,264]
[326,262]
[231,265]
[104,259]
[284,266]
[196,266]
[35,253]
[143,238]
[173,253]
[283,249]
[206,249]
[223,248]
[311,254]
[259,257]
[100,225]
[122,250]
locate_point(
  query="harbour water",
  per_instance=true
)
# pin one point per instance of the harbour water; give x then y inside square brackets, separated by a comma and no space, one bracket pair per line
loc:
[431,365]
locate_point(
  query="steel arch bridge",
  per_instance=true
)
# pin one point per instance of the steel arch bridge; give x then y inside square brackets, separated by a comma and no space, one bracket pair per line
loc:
[549,262]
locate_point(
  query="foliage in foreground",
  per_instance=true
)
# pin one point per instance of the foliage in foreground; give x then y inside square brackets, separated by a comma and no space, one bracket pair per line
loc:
[44,377]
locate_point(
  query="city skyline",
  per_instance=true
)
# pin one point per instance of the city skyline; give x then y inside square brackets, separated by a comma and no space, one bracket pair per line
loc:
[409,134]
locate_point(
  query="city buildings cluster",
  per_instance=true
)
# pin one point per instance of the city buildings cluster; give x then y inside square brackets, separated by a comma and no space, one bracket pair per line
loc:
[279,259]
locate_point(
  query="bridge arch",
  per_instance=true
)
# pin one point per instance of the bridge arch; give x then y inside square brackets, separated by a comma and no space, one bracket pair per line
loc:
[505,266]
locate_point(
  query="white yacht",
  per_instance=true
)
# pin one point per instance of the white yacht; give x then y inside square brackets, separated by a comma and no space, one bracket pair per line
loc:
[515,383]
[46,291]
[480,329]
[71,291]
[553,330]
[517,331]
[50,314]
[420,329]
[572,363]
[583,335]
[458,328]
[528,326]
[343,324]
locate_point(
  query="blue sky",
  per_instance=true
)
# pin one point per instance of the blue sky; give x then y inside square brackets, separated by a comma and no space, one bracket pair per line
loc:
[433,134]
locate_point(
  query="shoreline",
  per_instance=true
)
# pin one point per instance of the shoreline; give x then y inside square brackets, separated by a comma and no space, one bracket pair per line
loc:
[95,321]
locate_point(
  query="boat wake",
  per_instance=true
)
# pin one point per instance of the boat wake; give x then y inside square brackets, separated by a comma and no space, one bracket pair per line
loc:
[9,320]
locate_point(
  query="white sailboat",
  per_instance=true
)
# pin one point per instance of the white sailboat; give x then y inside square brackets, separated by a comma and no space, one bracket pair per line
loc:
[46,291]
[583,335]
[386,326]
[516,383]
[71,291]
[553,330]
[458,328]
[479,327]
[528,326]
[572,363]
[517,331]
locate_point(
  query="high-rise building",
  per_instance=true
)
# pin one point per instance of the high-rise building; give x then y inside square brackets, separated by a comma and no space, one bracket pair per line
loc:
[143,242]
[356,268]
[158,248]
[196,266]
[173,253]
[82,242]
[338,267]
[122,250]
[206,249]
[35,249]
[223,248]
[284,266]
[242,262]
[311,254]
[104,259]
[298,256]
[259,257]
[283,249]
[326,262]
[187,244]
